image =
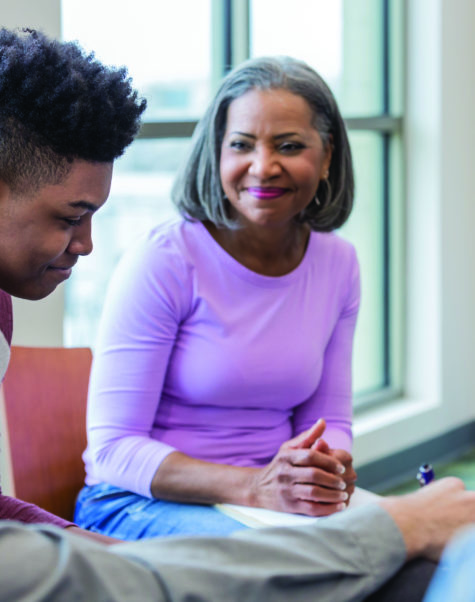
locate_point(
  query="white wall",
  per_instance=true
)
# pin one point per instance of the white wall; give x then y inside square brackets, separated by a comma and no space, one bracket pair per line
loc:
[440,316]
[38,14]
[440,320]
[36,323]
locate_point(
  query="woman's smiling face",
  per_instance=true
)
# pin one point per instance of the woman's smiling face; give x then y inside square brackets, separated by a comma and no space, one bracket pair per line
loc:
[272,157]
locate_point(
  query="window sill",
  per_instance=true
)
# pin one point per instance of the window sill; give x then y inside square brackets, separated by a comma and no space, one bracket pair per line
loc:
[393,427]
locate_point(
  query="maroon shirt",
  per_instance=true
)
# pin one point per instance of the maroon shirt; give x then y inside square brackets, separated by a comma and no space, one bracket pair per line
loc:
[11,508]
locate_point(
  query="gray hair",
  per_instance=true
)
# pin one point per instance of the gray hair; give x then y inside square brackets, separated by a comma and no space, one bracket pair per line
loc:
[198,193]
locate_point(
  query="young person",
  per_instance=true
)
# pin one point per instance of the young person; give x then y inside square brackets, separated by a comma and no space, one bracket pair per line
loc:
[64,119]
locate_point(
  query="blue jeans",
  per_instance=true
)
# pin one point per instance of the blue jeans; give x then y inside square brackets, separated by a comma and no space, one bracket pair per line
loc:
[113,511]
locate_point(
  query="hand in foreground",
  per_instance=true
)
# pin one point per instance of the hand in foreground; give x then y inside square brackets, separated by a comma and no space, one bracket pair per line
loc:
[429,517]
[300,479]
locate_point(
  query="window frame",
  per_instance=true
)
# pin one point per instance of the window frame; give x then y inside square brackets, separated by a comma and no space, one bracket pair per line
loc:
[230,46]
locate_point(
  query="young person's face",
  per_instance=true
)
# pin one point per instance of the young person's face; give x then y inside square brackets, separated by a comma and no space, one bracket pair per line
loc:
[43,233]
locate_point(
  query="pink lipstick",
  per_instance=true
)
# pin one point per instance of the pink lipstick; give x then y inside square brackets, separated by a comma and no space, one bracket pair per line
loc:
[267,192]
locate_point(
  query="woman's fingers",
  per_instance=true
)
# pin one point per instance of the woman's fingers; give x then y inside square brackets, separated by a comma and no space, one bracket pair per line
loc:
[317,509]
[308,437]
[312,457]
[316,477]
[304,480]
[316,494]
[322,446]
[346,459]
[349,475]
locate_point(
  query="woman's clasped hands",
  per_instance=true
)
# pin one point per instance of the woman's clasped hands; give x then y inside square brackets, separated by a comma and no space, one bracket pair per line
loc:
[306,476]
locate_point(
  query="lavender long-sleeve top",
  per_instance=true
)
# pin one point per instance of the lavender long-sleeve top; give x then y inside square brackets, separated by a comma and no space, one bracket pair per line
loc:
[199,354]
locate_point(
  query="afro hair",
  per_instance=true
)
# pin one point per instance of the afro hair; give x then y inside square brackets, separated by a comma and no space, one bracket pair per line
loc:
[58,104]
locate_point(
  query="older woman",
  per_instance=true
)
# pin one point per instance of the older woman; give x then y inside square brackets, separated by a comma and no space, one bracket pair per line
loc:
[227,334]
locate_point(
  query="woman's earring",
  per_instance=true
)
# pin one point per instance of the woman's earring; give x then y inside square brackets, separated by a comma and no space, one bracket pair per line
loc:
[324,179]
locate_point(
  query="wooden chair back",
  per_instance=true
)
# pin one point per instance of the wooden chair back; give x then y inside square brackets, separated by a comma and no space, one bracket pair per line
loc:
[45,395]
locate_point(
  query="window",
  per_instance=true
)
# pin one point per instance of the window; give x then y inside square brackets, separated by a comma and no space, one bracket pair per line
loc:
[176,55]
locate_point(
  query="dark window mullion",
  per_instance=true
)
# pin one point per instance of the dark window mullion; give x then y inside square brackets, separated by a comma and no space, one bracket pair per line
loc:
[387,376]
[228,36]
[386,234]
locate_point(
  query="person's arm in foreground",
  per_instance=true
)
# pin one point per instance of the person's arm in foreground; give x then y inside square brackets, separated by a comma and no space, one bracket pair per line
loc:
[454,578]
[344,557]
[14,509]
